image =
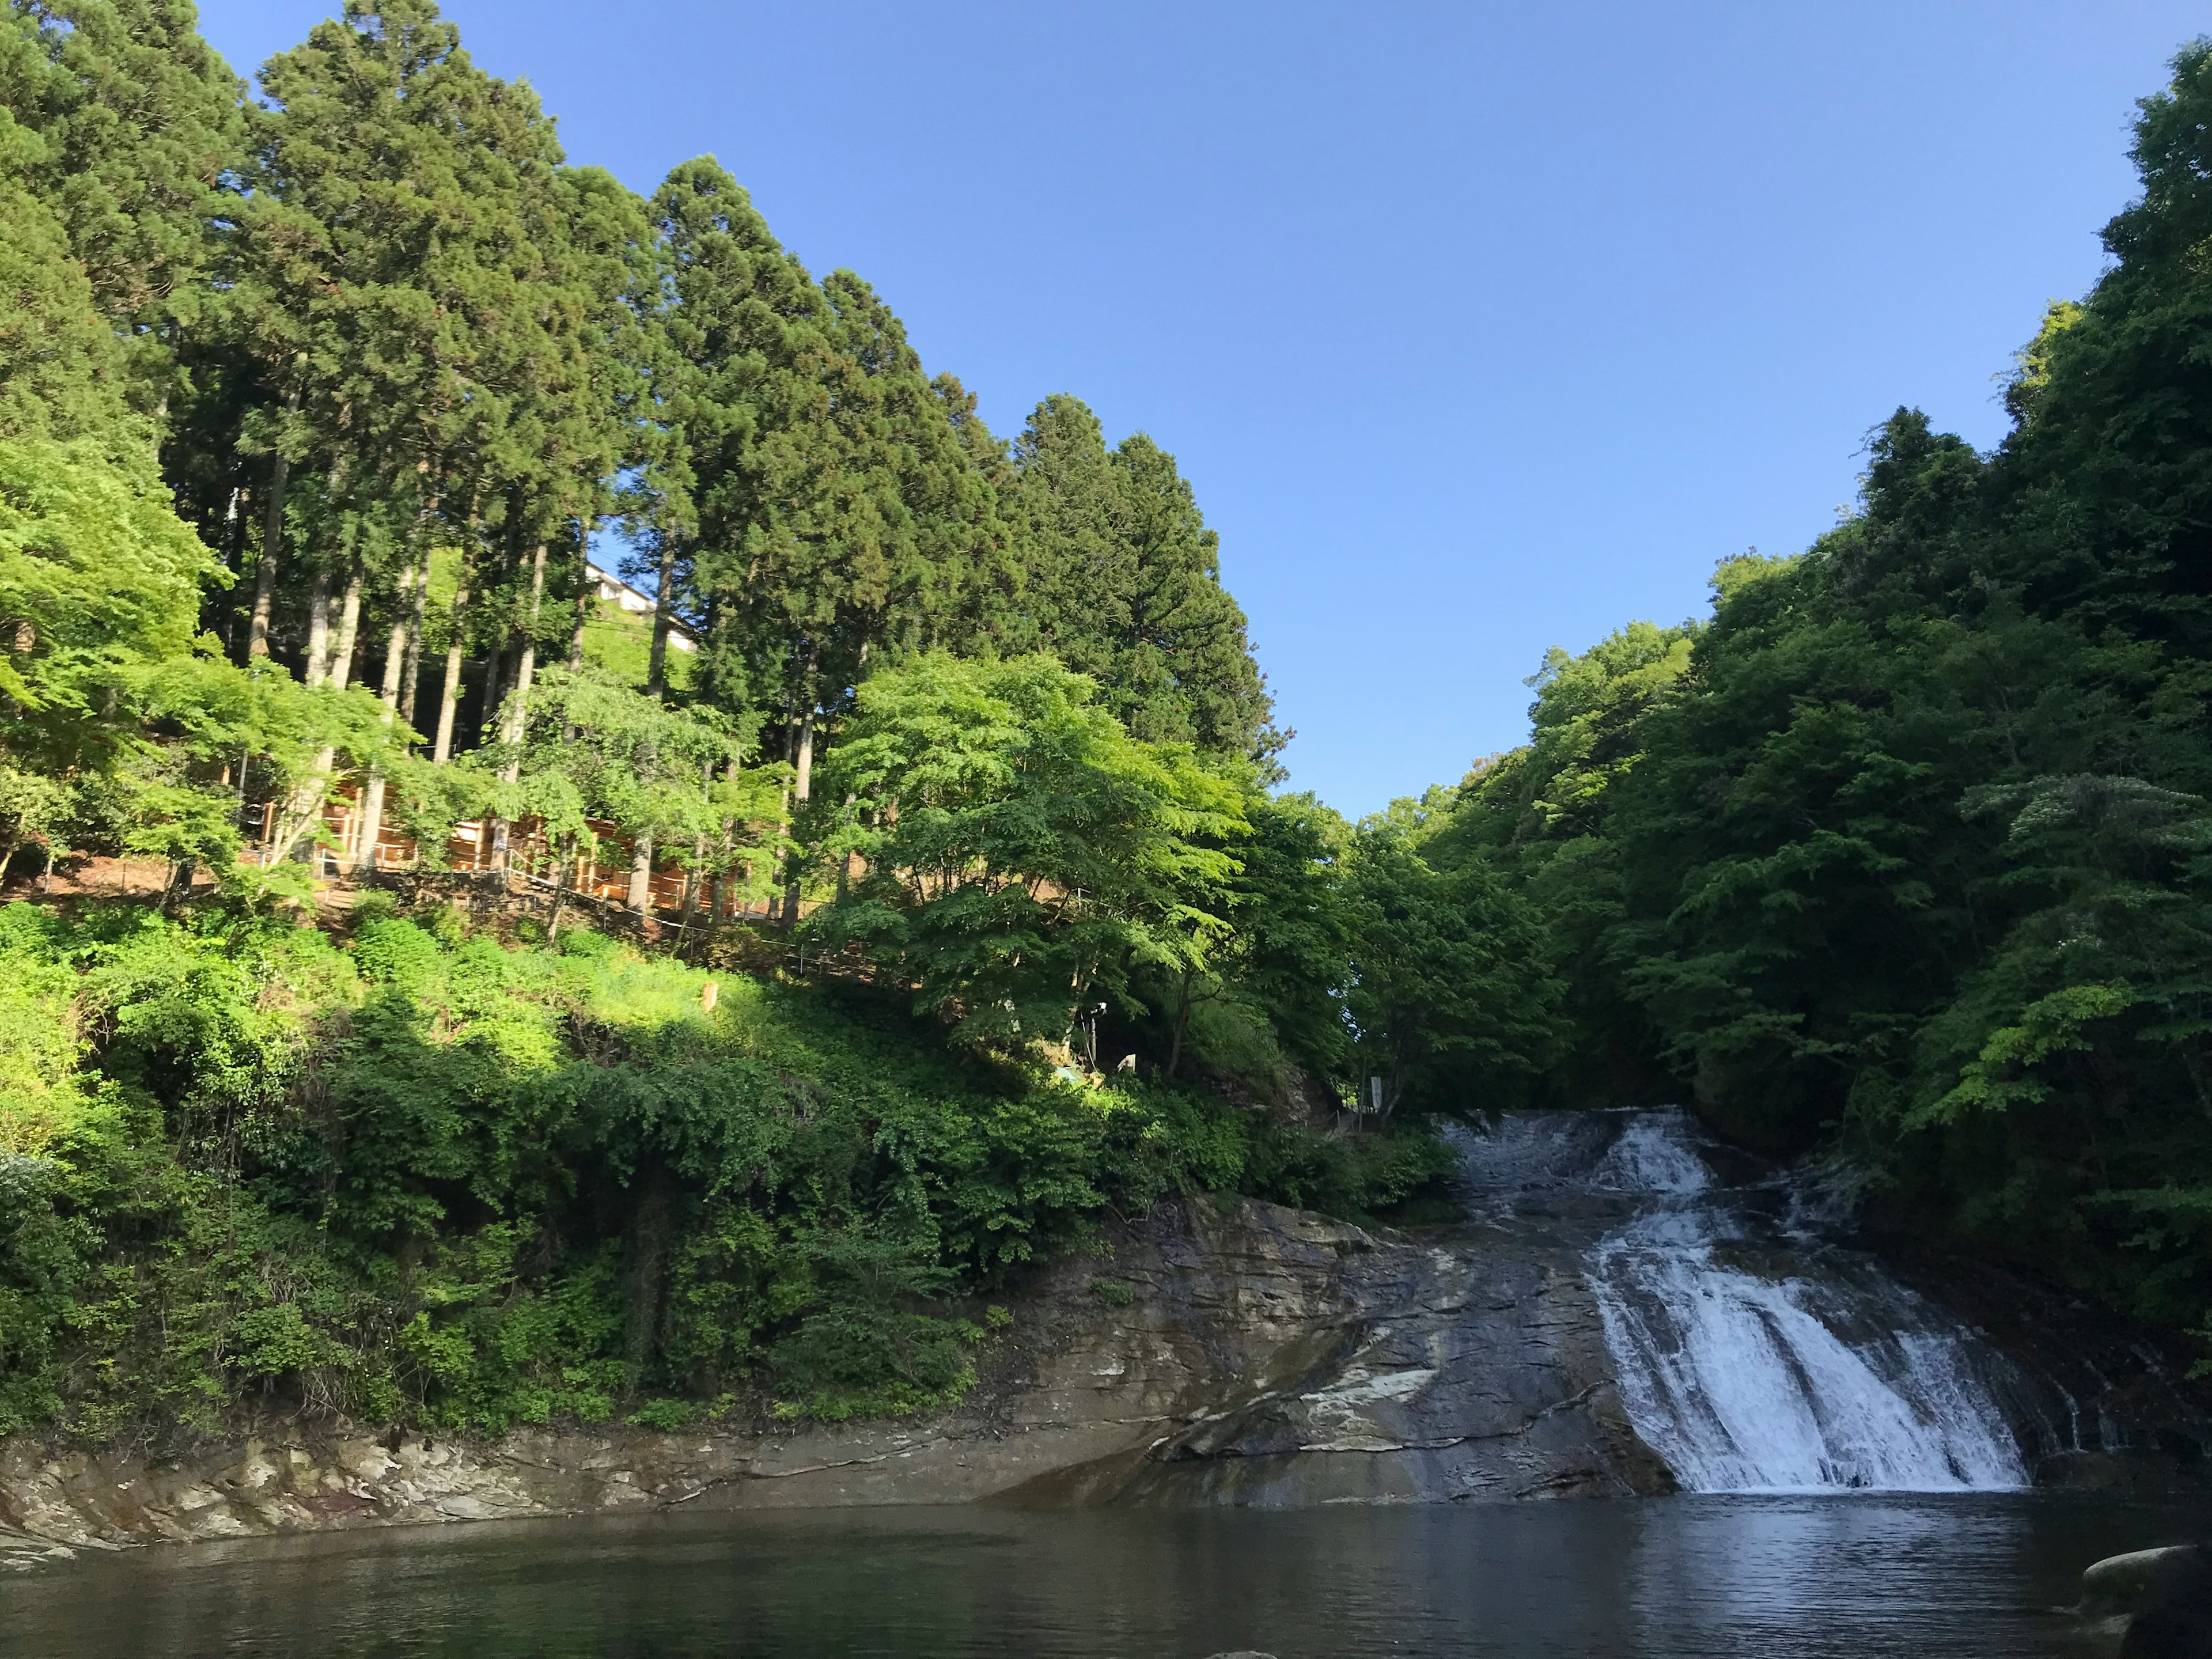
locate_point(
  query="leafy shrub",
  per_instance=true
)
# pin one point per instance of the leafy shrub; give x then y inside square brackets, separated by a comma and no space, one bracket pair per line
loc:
[394,952]
[511,1187]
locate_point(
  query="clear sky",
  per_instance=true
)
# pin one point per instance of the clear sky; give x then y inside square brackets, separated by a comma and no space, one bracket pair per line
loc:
[1479,327]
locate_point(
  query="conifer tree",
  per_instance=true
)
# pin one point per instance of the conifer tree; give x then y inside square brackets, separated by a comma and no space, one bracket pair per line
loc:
[62,374]
[143,125]
[584,423]
[1125,585]
[729,349]
[403,254]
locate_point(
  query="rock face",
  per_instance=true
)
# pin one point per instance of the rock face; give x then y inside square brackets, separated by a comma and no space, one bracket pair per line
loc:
[1258,1355]
[1248,1355]
[2094,1406]
[2161,1601]
[1280,1360]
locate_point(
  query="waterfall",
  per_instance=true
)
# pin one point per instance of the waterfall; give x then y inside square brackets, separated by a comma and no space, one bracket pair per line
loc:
[1752,1353]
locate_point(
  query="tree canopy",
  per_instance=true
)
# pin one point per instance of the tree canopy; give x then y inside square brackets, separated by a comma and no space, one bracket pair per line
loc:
[334,419]
[1903,850]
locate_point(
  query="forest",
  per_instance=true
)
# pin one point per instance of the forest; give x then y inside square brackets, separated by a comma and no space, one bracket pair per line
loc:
[401,526]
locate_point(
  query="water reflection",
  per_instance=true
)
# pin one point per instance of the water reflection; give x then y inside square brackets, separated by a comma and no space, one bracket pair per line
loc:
[1790,1577]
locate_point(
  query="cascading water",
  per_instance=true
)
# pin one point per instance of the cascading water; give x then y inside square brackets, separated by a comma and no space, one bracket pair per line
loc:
[1752,1354]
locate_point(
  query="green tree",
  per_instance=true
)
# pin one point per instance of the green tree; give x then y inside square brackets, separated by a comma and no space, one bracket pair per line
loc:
[61,372]
[401,274]
[1020,853]
[143,128]
[1288,958]
[2103,486]
[1541,815]
[1125,585]
[667,776]
[1448,994]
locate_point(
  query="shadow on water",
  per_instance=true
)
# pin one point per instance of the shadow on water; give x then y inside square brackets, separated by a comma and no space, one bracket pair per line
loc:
[1782,1576]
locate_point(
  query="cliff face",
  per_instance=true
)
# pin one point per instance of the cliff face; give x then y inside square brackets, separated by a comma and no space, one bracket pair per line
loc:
[1251,1355]
[1254,1356]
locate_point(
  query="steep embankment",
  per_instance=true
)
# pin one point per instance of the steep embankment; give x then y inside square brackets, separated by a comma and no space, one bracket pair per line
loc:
[1262,1355]
[1257,1355]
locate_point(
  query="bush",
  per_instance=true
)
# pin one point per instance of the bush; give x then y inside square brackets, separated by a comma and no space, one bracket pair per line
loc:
[396,952]
[509,1186]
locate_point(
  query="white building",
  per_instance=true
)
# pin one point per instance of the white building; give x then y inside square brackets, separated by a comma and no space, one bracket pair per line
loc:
[616,590]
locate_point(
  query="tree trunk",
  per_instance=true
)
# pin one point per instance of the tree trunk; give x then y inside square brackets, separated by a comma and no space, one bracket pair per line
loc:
[410,672]
[443,750]
[587,597]
[305,808]
[272,545]
[563,866]
[324,667]
[340,672]
[179,889]
[656,664]
[525,673]
[234,553]
[319,628]
[494,688]
[640,896]
[517,711]
[802,784]
[370,829]
[1182,1024]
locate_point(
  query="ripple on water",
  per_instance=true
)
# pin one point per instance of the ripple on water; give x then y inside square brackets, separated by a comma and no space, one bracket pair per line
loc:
[1789,1578]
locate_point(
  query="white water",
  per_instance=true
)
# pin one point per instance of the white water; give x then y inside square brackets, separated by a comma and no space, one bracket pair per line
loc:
[1751,1356]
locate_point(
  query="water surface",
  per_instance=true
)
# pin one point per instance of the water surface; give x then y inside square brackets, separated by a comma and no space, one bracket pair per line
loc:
[1779,1578]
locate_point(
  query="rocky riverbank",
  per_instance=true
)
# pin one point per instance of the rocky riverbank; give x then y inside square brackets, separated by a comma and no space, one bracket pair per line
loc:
[1260,1355]
[1246,1355]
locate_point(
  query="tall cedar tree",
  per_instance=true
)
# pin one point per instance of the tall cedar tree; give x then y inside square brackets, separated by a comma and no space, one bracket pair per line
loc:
[401,280]
[1124,585]
[143,127]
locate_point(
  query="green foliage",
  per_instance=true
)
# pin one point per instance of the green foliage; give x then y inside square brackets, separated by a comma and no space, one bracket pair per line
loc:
[62,374]
[428,1178]
[1023,854]
[592,748]
[140,126]
[355,373]
[1444,995]
[1125,585]
[99,585]
[1906,849]
[393,950]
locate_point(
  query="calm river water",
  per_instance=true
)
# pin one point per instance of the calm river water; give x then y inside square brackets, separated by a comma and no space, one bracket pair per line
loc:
[1774,1577]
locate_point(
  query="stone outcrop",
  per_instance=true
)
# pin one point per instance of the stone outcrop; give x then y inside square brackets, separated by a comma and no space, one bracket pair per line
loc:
[1245,1354]
[1255,1355]
[2158,1603]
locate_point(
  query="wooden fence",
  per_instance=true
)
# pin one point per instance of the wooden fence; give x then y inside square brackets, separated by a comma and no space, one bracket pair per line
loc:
[601,874]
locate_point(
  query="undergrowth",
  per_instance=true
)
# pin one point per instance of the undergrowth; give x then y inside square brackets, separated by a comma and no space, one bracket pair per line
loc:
[415,1176]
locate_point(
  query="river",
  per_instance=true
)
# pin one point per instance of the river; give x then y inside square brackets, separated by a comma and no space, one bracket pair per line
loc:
[1857,1464]
[1666,1578]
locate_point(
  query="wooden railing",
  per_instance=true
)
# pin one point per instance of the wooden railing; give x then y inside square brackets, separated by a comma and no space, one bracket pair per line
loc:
[601,874]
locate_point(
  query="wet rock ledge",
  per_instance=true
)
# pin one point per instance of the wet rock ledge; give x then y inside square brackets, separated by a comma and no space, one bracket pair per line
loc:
[1256,1356]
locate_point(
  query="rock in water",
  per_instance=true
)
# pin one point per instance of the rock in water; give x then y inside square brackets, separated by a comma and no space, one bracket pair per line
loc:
[2167,1595]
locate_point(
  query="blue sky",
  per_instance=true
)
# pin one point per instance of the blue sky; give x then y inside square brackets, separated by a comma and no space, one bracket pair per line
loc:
[1480,328]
